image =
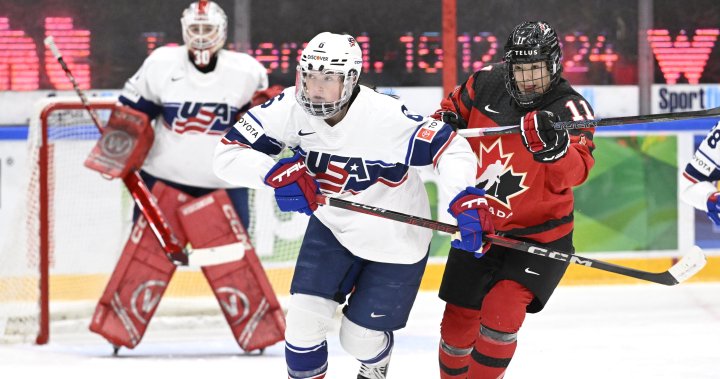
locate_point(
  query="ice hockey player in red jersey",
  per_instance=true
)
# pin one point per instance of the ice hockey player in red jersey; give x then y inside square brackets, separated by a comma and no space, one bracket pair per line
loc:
[528,180]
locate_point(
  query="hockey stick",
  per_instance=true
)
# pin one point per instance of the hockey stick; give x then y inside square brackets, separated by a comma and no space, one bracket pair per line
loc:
[147,205]
[569,125]
[688,266]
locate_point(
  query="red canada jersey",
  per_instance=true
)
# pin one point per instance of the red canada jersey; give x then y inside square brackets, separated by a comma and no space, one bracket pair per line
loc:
[527,198]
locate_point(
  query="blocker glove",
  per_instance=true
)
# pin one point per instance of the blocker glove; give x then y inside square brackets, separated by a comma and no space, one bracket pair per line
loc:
[546,144]
[470,208]
[295,188]
[714,208]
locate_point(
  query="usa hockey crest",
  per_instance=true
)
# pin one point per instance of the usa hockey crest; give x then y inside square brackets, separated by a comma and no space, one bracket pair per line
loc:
[338,174]
[210,118]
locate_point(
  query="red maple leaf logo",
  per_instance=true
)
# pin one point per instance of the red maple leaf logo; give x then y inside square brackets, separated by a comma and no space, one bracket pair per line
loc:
[497,176]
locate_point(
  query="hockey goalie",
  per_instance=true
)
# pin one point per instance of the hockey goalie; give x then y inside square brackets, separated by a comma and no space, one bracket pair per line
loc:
[194,93]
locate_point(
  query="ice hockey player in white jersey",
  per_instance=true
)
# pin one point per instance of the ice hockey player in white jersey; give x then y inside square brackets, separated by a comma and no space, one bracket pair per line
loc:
[698,185]
[354,143]
[195,93]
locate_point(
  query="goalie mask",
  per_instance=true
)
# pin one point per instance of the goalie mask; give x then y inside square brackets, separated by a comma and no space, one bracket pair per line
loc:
[204,26]
[327,74]
[533,60]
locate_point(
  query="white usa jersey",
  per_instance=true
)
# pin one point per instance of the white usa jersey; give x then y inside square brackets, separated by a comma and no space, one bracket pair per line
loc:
[702,171]
[367,158]
[192,110]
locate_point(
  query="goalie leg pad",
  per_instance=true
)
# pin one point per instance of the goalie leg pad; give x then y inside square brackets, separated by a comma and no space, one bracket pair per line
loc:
[139,279]
[502,314]
[308,321]
[241,287]
[371,347]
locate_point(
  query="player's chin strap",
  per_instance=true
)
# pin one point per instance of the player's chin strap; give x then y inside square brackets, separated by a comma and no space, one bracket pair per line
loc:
[147,205]
[689,265]
[583,124]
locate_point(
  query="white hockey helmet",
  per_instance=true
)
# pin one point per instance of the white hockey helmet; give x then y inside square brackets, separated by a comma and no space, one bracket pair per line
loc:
[204,26]
[328,54]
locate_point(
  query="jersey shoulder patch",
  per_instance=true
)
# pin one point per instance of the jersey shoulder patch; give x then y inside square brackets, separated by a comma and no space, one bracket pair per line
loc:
[428,131]
[249,127]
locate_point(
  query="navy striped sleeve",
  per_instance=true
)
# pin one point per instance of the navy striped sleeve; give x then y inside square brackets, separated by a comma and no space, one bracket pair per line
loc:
[145,106]
[428,143]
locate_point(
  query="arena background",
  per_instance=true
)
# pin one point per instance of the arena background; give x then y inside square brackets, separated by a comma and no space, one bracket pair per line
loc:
[628,212]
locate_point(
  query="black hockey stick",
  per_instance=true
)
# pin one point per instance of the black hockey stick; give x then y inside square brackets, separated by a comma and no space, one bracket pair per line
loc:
[569,125]
[688,266]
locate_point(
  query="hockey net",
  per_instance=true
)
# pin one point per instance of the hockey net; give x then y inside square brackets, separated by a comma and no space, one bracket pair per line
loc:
[71,227]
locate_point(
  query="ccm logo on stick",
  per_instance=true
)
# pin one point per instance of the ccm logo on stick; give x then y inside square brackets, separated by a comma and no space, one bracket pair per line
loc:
[559,256]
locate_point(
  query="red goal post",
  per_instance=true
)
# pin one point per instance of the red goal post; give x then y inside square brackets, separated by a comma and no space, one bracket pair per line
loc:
[70,228]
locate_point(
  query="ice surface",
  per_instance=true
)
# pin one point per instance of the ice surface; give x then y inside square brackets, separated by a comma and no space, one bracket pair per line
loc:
[642,331]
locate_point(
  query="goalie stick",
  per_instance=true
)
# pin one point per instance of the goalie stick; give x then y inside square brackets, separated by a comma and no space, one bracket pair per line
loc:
[147,205]
[569,125]
[689,265]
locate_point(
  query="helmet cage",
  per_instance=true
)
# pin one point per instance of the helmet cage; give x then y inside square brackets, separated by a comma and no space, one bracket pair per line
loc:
[204,26]
[532,42]
[324,109]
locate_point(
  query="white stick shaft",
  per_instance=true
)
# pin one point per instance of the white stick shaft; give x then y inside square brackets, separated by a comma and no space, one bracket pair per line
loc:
[479,132]
[50,43]
[216,255]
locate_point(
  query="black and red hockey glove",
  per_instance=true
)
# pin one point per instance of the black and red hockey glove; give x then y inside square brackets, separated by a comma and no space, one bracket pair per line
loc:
[546,144]
[295,188]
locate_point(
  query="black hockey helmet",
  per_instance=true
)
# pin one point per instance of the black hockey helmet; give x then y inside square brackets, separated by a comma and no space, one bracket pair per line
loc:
[529,42]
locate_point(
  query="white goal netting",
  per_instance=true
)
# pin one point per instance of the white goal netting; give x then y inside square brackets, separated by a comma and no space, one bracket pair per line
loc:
[83,222]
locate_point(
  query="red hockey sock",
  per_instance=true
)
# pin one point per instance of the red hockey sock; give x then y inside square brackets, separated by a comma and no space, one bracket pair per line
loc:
[458,331]
[502,314]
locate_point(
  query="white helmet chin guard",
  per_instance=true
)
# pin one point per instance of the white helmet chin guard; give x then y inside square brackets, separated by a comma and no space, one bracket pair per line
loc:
[204,26]
[328,53]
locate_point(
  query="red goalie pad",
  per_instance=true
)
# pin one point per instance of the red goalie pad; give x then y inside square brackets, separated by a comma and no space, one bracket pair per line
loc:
[124,144]
[140,277]
[242,288]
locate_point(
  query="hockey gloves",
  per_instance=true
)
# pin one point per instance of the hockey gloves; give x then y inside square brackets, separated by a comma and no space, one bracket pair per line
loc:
[470,209]
[295,188]
[546,144]
[452,119]
[714,208]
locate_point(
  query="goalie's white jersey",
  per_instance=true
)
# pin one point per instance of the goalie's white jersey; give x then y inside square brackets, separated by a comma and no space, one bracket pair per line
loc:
[702,172]
[366,158]
[193,110]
